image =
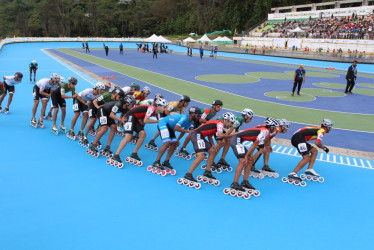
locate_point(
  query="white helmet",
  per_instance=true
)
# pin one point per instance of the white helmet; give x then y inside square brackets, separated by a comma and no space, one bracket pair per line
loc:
[73,80]
[55,77]
[33,62]
[100,86]
[62,80]
[147,90]
[284,123]
[248,112]
[327,123]
[229,116]
[271,122]
[161,101]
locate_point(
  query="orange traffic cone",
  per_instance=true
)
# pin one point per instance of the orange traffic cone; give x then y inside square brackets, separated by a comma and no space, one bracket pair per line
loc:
[107,77]
[112,77]
[102,77]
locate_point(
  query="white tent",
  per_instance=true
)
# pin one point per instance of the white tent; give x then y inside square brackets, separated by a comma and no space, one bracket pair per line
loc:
[296,30]
[151,39]
[162,39]
[226,39]
[189,40]
[204,39]
[218,39]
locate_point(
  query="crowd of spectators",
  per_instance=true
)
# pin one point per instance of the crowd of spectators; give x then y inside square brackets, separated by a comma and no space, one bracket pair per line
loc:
[351,27]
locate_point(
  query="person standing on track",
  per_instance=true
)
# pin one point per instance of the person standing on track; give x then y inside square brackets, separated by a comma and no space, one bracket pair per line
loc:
[87,48]
[9,82]
[33,67]
[309,153]
[106,50]
[121,49]
[298,79]
[351,77]
[201,52]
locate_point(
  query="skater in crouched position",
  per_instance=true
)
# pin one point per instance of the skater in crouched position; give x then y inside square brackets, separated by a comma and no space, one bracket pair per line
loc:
[9,82]
[245,157]
[309,153]
[167,127]
[201,145]
[107,117]
[136,118]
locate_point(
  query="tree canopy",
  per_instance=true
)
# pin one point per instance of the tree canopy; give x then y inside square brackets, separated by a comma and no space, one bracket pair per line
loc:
[124,18]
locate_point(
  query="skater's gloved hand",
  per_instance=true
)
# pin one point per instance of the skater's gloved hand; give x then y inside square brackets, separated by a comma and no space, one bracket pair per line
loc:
[326,149]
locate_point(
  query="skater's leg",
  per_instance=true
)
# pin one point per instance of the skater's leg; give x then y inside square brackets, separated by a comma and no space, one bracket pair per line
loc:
[239,170]
[113,129]
[90,124]
[313,156]
[302,163]
[10,99]
[63,114]
[199,158]
[187,140]
[226,147]
[34,108]
[55,117]
[172,147]
[44,107]
[123,143]
[139,143]
[212,152]
[156,135]
[84,120]
[266,158]
[2,98]
[162,150]
[74,120]
[100,133]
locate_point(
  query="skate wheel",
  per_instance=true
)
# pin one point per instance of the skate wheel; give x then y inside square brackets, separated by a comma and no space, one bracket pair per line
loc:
[216,183]
[140,163]
[185,182]
[120,165]
[250,191]
[191,184]
[205,180]
[210,181]
[303,176]
[321,179]
[115,164]
[149,168]
[163,173]
[232,192]
[276,175]
[256,193]
[246,196]
[239,194]
[180,181]
[255,175]
[87,151]
[203,166]
[261,176]
[303,184]
[197,185]
[176,154]
[156,149]
[97,155]
[219,171]
[199,178]
[173,172]
[158,171]
[290,181]
[188,157]
[154,170]
[229,169]
[167,171]
[226,191]
[127,159]
[108,161]
[297,182]
[284,179]
[315,178]
[308,177]
[146,145]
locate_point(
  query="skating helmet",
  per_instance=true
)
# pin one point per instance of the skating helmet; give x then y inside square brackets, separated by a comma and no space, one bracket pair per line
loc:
[284,123]
[135,86]
[130,99]
[248,112]
[159,96]
[217,102]
[33,62]
[108,84]
[271,122]
[100,86]
[162,102]
[19,75]
[55,77]
[62,80]
[73,80]
[195,110]
[146,90]
[185,98]
[327,123]
[229,116]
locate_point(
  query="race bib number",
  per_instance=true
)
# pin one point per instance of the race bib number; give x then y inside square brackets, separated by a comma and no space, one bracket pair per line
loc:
[75,107]
[240,149]
[127,126]
[236,124]
[100,98]
[103,120]
[115,109]
[201,144]
[164,133]
[302,147]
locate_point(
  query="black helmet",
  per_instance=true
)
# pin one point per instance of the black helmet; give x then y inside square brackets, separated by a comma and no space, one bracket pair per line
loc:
[217,102]
[130,99]
[185,98]
[195,110]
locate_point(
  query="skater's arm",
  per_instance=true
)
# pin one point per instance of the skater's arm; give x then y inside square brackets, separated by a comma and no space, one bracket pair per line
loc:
[182,130]
[114,117]
[96,105]
[79,98]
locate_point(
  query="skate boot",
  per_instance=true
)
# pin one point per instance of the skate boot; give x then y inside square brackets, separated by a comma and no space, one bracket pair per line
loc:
[157,168]
[183,154]
[236,190]
[92,150]
[115,161]
[195,155]
[312,175]
[33,123]
[54,130]
[267,171]
[134,139]
[169,169]
[256,173]
[71,135]
[6,110]
[63,128]
[249,188]
[80,134]
[207,177]
[84,142]
[99,145]
[107,152]
[151,145]
[92,132]
[119,131]
[48,117]
[216,168]
[189,181]
[294,179]
[224,165]
[41,124]
[134,159]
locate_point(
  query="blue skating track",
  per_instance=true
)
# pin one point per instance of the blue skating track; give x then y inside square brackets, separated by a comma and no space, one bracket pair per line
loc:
[55,196]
